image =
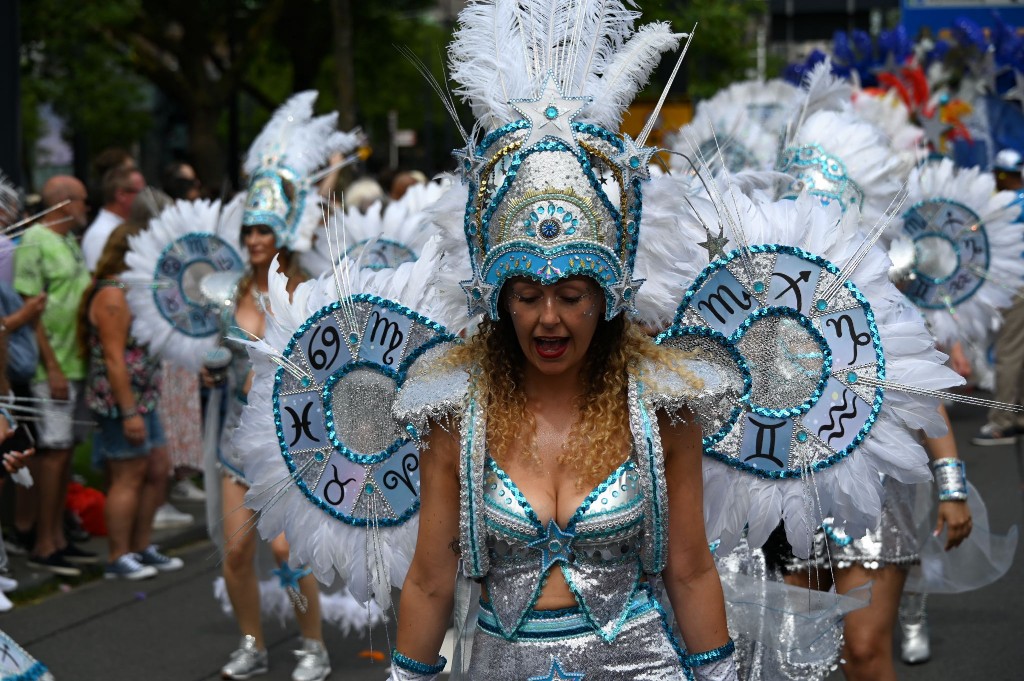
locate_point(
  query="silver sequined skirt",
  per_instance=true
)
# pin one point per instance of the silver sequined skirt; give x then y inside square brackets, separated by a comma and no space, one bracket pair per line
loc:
[229,459]
[893,542]
[561,643]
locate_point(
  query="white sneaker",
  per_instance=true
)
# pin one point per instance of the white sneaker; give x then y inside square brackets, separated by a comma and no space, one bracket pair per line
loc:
[246,662]
[313,665]
[186,490]
[8,584]
[915,647]
[167,516]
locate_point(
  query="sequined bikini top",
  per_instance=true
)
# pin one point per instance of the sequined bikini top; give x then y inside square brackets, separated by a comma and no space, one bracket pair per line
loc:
[611,541]
[598,551]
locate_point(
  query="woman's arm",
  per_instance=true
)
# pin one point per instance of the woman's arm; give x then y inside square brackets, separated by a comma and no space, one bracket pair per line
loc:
[109,312]
[954,516]
[690,575]
[429,590]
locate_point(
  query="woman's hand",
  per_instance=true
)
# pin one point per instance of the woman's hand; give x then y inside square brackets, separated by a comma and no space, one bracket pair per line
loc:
[15,461]
[134,429]
[955,516]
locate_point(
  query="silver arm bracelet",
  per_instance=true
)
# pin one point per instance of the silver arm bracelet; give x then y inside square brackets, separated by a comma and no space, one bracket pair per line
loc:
[950,478]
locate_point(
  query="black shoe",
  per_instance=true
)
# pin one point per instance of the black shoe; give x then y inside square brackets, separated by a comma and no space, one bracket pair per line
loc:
[55,563]
[73,529]
[73,554]
[19,543]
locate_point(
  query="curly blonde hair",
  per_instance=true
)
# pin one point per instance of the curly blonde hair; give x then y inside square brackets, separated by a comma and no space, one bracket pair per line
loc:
[600,437]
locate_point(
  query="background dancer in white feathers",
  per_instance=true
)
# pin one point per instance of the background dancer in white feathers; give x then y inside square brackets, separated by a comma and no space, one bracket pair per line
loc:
[283,211]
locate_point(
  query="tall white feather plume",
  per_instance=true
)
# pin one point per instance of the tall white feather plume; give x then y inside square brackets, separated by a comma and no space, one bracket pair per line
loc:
[504,50]
[296,138]
[823,91]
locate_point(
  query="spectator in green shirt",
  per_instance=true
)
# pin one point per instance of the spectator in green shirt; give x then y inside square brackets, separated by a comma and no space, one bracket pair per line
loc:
[49,261]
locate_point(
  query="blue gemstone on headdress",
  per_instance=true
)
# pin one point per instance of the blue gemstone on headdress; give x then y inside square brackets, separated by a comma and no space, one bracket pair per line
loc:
[627,294]
[319,456]
[551,113]
[851,377]
[369,489]
[476,293]
[801,436]
[634,162]
[353,338]
[821,305]
[549,229]
[758,287]
[306,380]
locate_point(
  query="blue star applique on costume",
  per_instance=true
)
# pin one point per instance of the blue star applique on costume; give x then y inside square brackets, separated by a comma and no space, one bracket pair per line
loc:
[555,546]
[289,577]
[556,673]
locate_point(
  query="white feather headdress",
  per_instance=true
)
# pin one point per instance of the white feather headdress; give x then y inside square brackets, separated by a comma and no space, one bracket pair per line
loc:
[837,156]
[280,165]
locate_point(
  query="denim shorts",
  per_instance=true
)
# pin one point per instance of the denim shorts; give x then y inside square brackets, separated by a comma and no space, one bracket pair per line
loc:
[109,443]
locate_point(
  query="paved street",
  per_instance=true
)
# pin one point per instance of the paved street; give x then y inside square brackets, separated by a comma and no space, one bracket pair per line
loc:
[170,628]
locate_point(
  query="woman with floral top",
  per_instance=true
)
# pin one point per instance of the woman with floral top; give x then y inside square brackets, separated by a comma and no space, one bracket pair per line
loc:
[122,393]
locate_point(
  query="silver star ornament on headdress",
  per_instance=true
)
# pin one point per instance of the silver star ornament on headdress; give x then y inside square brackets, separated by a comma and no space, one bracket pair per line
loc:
[551,114]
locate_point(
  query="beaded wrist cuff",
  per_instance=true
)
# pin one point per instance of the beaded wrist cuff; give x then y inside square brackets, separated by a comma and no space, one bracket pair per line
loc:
[950,478]
[411,665]
[710,656]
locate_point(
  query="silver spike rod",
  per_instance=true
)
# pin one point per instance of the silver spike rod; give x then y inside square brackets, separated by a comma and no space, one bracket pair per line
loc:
[36,216]
[649,126]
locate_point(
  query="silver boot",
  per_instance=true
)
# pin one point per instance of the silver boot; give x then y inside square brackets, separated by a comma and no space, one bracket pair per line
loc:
[313,664]
[915,647]
[246,662]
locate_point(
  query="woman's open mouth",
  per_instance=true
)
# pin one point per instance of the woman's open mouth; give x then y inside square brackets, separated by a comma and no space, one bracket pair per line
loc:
[550,348]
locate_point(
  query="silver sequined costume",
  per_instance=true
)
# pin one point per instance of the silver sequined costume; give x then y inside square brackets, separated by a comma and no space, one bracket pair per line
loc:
[610,552]
[894,542]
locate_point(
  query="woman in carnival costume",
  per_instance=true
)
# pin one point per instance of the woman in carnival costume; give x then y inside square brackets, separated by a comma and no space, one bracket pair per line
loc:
[280,216]
[559,442]
[562,447]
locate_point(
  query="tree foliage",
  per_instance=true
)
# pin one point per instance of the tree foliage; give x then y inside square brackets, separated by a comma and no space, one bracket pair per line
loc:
[101,65]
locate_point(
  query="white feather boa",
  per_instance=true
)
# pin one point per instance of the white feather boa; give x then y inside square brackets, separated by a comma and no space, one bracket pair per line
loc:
[851,489]
[179,219]
[973,320]
[337,607]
